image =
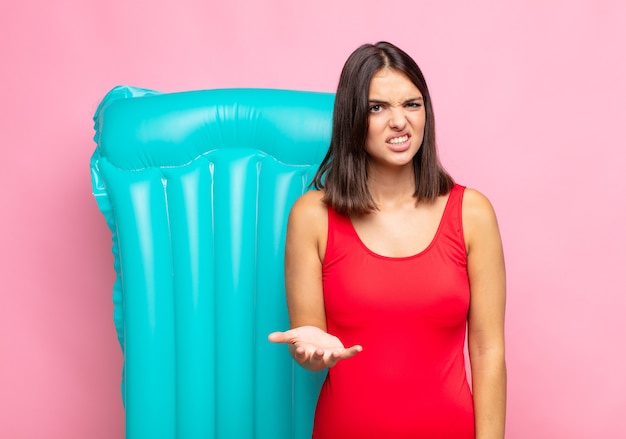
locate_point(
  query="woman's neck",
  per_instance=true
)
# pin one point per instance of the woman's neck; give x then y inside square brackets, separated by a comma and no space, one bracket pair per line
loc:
[391,187]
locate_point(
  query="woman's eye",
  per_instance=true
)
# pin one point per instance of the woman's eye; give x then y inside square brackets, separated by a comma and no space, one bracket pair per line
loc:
[414,105]
[375,108]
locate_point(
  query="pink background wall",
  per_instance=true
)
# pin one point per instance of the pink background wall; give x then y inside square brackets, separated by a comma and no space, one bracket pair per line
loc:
[531,107]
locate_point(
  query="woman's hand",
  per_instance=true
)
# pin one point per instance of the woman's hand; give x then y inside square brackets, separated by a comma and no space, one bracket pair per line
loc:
[314,349]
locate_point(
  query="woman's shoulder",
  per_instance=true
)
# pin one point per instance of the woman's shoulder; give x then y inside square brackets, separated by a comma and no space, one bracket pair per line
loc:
[311,200]
[308,222]
[475,203]
[310,208]
[479,217]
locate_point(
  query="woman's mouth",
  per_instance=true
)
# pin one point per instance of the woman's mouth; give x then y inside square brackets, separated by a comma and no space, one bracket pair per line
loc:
[399,144]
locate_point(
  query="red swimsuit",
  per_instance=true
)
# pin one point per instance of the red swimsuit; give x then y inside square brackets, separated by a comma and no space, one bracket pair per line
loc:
[409,314]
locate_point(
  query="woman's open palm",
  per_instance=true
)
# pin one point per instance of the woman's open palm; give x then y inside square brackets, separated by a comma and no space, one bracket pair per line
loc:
[313,348]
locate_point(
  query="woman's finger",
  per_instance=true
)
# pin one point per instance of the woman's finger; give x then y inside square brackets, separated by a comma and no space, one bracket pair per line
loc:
[355,349]
[282,336]
[277,337]
[350,352]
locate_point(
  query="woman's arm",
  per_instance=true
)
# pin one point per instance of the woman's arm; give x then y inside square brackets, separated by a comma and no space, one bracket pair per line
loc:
[309,343]
[305,246]
[485,264]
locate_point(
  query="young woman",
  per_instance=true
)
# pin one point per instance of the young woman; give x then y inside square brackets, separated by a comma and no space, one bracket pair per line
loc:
[388,263]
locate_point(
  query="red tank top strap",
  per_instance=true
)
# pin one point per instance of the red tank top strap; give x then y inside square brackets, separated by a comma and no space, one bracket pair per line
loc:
[451,227]
[335,222]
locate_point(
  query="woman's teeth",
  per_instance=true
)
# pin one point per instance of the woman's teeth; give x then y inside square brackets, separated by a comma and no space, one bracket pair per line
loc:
[398,140]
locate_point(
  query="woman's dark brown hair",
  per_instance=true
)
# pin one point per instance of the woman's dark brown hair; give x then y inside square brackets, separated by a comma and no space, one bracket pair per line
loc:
[343,172]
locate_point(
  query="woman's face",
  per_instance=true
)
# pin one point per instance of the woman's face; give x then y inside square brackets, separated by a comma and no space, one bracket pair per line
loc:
[396,119]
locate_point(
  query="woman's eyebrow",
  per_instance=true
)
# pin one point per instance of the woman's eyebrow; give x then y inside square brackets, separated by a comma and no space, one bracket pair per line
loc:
[380,101]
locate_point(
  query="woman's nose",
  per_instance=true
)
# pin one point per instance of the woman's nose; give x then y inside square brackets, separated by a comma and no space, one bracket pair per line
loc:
[397,118]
